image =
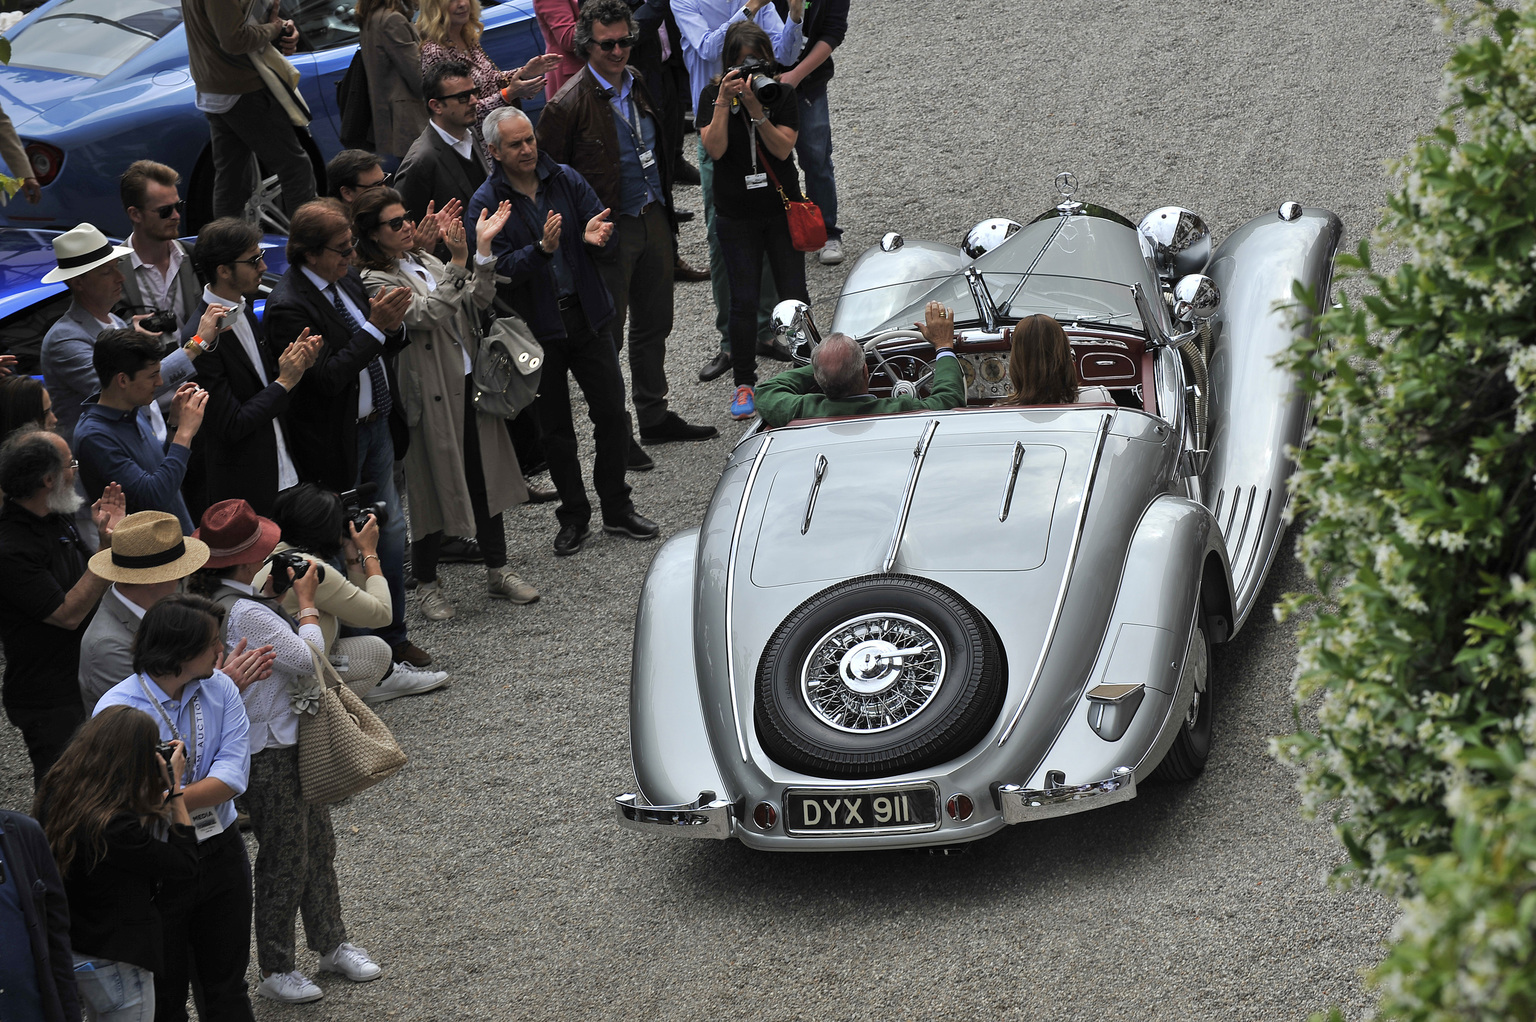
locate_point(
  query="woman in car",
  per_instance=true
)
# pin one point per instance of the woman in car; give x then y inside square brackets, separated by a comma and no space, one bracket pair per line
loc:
[460,467]
[749,140]
[450,30]
[1040,367]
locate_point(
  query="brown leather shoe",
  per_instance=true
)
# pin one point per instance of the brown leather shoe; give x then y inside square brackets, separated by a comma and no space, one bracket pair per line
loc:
[542,494]
[412,654]
[682,271]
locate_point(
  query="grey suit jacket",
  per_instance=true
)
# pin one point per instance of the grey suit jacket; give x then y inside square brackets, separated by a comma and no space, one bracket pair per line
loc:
[186,281]
[70,376]
[106,649]
[433,172]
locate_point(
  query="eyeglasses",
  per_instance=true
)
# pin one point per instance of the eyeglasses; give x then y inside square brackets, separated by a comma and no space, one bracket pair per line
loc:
[253,262]
[607,45]
[164,212]
[467,96]
[73,464]
[394,224]
[347,248]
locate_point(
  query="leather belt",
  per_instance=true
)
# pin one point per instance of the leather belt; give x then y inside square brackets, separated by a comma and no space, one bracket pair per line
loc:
[567,302]
[372,416]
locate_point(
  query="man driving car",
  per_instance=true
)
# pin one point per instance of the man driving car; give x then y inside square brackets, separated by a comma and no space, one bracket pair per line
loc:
[839,370]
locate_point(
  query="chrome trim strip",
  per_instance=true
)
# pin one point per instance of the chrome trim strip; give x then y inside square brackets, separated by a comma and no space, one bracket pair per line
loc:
[1013,477]
[919,455]
[1258,534]
[1253,495]
[1226,530]
[1025,805]
[706,817]
[1150,324]
[1241,612]
[1216,511]
[1066,576]
[730,596]
[810,500]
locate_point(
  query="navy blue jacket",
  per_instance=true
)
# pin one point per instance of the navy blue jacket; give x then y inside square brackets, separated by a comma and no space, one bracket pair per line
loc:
[531,287]
[29,860]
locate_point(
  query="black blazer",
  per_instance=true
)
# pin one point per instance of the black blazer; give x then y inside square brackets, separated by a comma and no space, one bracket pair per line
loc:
[433,172]
[28,863]
[237,443]
[322,410]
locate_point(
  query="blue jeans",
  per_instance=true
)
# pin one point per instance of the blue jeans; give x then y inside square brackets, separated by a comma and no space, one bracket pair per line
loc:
[376,465]
[719,281]
[114,991]
[814,147]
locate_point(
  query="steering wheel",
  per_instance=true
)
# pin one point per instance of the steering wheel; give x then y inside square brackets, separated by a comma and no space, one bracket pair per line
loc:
[899,386]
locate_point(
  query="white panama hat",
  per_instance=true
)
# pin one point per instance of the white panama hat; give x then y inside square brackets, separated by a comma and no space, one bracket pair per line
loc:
[80,250]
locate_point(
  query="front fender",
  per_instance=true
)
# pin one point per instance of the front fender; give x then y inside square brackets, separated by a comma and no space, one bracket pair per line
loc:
[668,742]
[1175,547]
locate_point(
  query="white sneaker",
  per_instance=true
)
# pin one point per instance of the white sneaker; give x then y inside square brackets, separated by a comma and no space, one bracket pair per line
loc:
[503,584]
[435,605]
[405,680]
[831,252]
[289,988]
[352,962]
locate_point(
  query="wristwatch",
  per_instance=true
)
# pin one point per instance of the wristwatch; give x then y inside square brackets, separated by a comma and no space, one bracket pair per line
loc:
[746,12]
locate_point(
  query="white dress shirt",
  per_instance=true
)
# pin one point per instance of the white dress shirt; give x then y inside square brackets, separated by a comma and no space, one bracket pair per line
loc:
[160,288]
[465,146]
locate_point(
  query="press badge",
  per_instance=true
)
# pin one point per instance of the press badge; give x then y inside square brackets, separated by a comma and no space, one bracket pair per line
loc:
[757,181]
[647,159]
[207,824]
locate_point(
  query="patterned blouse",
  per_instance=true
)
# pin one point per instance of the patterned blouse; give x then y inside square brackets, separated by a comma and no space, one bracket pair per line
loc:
[484,72]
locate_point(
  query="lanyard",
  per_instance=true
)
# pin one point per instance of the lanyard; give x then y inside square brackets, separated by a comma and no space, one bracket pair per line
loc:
[194,752]
[751,135]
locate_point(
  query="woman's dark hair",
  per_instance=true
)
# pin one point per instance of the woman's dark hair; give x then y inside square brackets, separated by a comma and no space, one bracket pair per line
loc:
[21,404]
[312,519]
[220,243]
[173,631]
[742,36]
[1040,366]
[593,13]
[367,215]
[109,767]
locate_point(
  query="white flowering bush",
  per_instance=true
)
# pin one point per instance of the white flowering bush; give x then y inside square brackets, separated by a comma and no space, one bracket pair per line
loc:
[1417,490]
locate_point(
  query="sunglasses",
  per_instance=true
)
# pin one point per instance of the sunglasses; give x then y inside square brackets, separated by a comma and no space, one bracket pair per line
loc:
[253,262]
[607,45]
[345,250]
[394,224]
[164,212]
[467,96]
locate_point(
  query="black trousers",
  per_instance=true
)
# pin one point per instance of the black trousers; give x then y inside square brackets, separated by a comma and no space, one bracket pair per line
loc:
[744,242]
[590,358]
[490,532]
[46,731]
[638,275]
[208,931]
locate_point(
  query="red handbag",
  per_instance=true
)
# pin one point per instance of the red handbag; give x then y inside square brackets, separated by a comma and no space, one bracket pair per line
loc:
[807,229]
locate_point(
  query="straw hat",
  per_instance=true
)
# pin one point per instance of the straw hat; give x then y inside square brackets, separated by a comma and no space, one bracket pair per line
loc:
[236,534]
[81,250]
[148,547]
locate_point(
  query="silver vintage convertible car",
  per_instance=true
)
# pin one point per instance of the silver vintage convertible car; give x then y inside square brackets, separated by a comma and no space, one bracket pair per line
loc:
[917,629]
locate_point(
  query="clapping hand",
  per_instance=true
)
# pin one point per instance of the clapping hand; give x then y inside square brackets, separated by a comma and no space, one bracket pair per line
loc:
[551,233]
[489,226]
[297,358]
[387,308]
[7,364]
[599,229]
[427,230]
[244,666]
[108,511]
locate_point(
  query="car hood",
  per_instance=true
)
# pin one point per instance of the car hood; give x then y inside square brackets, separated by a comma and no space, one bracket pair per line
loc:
[27,92]
[1008,567]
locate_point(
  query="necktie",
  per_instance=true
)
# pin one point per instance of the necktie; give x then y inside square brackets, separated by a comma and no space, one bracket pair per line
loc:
[382,401]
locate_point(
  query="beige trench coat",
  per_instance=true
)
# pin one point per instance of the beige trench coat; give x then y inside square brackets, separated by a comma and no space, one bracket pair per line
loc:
[431,374]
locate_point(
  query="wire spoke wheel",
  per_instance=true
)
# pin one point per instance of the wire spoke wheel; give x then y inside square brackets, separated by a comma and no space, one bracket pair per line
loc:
[873,673]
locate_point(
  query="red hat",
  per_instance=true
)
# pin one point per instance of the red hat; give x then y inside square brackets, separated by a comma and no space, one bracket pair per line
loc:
[236,534]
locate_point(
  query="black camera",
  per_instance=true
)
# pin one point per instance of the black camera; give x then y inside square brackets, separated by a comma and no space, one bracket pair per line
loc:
[281,561]
[161,322]
[759,80]
[165,750]
[358,507]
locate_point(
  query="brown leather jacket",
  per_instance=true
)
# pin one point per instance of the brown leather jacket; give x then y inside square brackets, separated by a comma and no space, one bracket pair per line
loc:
[577,128]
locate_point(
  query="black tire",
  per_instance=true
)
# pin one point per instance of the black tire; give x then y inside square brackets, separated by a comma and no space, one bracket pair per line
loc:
[960,706]
[1186,757]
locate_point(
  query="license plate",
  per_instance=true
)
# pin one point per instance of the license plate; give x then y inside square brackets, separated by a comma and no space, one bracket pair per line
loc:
[860,810]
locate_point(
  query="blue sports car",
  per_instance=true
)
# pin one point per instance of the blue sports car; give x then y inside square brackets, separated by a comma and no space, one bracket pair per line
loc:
[95,84]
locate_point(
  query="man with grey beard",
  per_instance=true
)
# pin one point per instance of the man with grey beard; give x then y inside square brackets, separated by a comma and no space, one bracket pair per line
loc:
[49,595]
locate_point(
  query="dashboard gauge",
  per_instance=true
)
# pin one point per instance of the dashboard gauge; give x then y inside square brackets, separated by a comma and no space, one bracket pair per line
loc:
[969,368]
[994,369]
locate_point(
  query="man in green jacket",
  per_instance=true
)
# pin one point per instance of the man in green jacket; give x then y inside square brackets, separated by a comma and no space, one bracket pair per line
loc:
[838,368]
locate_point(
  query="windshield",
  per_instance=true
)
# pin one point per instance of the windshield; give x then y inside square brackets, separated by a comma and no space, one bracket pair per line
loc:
[1075,268]
[92,37]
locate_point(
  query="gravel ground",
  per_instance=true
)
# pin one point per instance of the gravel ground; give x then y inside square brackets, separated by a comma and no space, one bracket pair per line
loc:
[488,877]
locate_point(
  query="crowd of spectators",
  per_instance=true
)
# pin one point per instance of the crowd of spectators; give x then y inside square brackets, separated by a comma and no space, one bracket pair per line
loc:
[181,453]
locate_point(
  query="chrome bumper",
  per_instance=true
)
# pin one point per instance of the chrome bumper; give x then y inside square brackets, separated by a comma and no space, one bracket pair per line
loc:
[1024,805]
[704,817]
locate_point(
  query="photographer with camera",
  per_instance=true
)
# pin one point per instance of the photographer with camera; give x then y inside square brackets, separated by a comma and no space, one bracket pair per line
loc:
[748,123]
[341,537]
[295,861]
[116,819]
[157,271]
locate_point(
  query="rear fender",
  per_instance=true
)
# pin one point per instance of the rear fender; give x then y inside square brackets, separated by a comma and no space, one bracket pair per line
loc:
[1176,567]
[668,743]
